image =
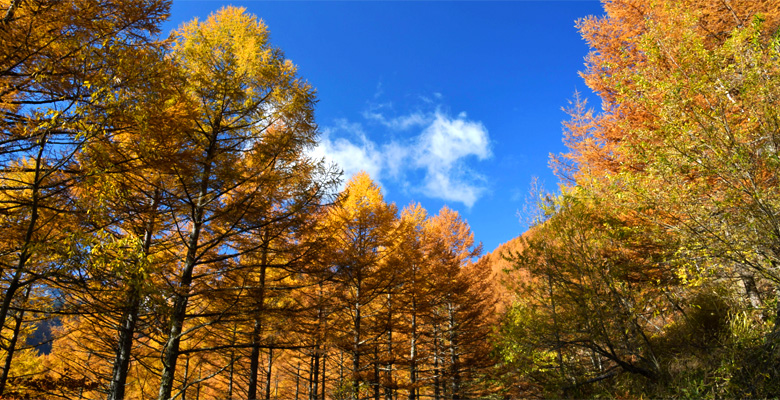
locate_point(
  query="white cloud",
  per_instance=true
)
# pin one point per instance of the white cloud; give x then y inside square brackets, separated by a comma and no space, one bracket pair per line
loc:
[441,152]
[400,123]
[352,154]
[447,140]
[395,157]
[436,96]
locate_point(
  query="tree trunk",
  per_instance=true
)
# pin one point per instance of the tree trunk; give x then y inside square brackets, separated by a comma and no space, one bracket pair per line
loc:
[25,252]
[254,361]
[171,350]
[375,383]
[313,371]
[129,320]
[197,387]
[254,358]
[18,320]
[231,367]
[436,370]
[413,354]
[182,295]
[388,375]
[297,379]
[453,347]
[124,347]
[356,380]
[322,386]
[268,374]
[186,378]
[230,375]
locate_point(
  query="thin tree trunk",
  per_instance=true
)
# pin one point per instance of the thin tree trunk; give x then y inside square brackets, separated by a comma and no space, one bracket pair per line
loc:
[356,347]
[454,362]
[197,387]
[322,386]
[413,354]
[8,296]
[389,365]
[376,372]
[171,349]
[129,320]
[297,379]
[182,295]
[254,361]
[124,348]
[25,252]
[230,369]
[11,349]
[268,374]
[18,320]
[254,358]
[313,372]
[186,377]
[436,370]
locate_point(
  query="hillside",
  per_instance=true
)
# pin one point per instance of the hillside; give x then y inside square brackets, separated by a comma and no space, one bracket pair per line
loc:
[502,270]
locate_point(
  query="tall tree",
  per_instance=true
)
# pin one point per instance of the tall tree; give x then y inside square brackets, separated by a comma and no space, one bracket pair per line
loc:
[414,295]
[462,307]
[253,116]
[58,59]
[363,226]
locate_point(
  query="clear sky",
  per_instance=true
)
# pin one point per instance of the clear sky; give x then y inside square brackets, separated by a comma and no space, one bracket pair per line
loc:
[453,103]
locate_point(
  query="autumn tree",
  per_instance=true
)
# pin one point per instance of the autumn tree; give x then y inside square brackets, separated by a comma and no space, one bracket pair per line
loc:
[130,208]
[670,75]
[461,307]
[58,60]
[414,295]
[253,120]
[598,292]
[363,226]
[672,184]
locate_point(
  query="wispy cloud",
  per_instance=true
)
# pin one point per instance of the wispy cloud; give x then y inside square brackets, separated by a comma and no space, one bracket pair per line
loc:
[376,113]
[434,156]
[443,150]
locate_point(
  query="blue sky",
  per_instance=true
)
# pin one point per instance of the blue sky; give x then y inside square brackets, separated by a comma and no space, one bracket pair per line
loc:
[453,103]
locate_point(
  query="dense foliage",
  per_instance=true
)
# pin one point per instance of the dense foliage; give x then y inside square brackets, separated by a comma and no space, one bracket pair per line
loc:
[165,233]
[654,272]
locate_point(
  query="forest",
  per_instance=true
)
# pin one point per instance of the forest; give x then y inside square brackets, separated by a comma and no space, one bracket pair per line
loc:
[165,232]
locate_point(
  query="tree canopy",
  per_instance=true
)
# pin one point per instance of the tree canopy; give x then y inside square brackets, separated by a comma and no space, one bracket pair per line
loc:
[167,233]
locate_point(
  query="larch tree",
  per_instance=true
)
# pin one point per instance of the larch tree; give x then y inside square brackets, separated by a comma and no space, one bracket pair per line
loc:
[253,116]
[460,306]
[129,205]
[55,60]
[414,295]
[363,226]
